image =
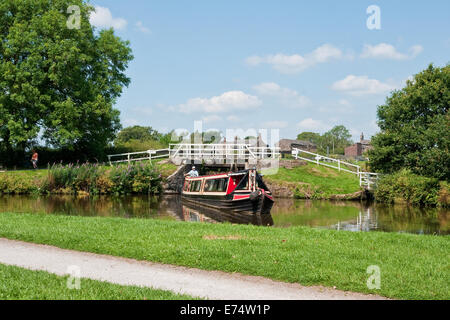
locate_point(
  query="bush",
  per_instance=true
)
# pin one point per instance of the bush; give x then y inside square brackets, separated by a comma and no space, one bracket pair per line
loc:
[405,186]
[94,179]
[17,184]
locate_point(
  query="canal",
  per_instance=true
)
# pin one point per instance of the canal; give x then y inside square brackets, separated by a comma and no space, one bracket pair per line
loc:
[351,216]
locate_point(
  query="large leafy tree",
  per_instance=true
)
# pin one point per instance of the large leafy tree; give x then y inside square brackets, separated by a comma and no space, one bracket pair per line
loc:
[137,133]
[55,81]
[334,140]
[309,136]
[415,127]
[337,139]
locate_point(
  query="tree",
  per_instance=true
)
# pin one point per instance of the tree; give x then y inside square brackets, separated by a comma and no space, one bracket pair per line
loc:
[309,136]
[415,125]
[56,82]
[337,139]
[137,133]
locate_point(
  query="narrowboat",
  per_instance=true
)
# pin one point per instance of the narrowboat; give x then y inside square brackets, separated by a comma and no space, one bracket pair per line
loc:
[237,192]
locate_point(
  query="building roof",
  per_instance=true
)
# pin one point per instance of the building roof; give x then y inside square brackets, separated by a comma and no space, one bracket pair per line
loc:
[252,141]
[286,145]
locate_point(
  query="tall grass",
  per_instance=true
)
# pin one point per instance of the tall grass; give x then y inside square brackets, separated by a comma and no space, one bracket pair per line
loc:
[95,179]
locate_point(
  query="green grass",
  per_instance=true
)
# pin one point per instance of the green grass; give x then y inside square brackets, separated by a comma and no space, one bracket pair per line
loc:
[322,181]
[412,266]
[22,284]
[166,169]
[38,173]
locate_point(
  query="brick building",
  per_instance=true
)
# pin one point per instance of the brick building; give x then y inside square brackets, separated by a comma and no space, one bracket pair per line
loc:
[358,149]
[286,146]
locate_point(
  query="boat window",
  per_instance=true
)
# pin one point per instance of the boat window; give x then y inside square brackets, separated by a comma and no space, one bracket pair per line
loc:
[195,185]
[222,185]
[209,186]
[243,184]
[216,185]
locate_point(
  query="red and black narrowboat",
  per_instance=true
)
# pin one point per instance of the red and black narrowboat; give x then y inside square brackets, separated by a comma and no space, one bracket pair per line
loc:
[238,192]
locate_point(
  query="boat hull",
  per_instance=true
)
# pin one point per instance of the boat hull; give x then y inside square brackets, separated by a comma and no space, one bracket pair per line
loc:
[260,205]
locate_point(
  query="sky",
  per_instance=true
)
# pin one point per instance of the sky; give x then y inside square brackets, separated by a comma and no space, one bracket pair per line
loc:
[289,65]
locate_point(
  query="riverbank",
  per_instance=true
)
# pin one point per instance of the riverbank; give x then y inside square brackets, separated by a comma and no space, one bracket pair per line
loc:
[310,181]
[293,180]
[412,267]
[89,179]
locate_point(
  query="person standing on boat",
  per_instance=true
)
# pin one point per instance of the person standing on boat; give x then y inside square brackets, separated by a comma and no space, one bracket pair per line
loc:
[192,173]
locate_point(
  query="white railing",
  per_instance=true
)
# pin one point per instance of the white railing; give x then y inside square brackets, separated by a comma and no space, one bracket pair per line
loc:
[188,151]
[366,179]
[138,156]
[326,161]
[231,151]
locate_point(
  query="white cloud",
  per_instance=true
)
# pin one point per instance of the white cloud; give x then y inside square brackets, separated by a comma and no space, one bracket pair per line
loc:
[275,124]
[140,26]
[228,101]
[388,51]
[344,103]
[211,118]
[103,18]
[362,85]
[288,97]
[296,63]
[310,124]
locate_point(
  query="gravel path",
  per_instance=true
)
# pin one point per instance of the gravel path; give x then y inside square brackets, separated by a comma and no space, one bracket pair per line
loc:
[198,283]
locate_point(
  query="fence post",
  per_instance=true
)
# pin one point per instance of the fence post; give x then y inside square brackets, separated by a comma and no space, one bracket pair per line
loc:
[129,160]
[339,165]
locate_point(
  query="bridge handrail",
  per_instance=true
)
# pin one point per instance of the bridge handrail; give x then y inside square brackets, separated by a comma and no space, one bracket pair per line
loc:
[222,150]
[152,154]
[366,179]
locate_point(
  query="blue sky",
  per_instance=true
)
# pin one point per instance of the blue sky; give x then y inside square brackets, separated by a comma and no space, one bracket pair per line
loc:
[290,65]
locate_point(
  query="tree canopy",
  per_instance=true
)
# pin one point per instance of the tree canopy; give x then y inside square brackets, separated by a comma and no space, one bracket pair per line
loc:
[415,126]
[334,140]
[58,83]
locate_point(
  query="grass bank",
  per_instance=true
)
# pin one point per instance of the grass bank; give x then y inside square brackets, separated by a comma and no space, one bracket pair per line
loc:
[93,179]
[311,181]
[412,266]
[22,284]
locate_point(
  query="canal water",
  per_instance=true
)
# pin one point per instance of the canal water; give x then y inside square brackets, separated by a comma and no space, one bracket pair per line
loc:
[352,216]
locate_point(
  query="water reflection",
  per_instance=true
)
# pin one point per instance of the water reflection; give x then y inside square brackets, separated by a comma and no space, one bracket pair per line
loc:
[352,216]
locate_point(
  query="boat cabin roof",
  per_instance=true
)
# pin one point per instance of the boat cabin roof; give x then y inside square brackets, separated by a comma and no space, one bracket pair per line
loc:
[220,175]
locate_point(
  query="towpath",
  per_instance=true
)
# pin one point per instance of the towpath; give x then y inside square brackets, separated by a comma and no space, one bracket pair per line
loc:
[198,283]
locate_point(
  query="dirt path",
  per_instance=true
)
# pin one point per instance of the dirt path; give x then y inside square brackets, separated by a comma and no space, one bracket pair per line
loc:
[198,283]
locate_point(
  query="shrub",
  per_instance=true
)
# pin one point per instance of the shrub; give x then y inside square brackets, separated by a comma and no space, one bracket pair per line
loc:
[405,186]
[135,178]
[17,184]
